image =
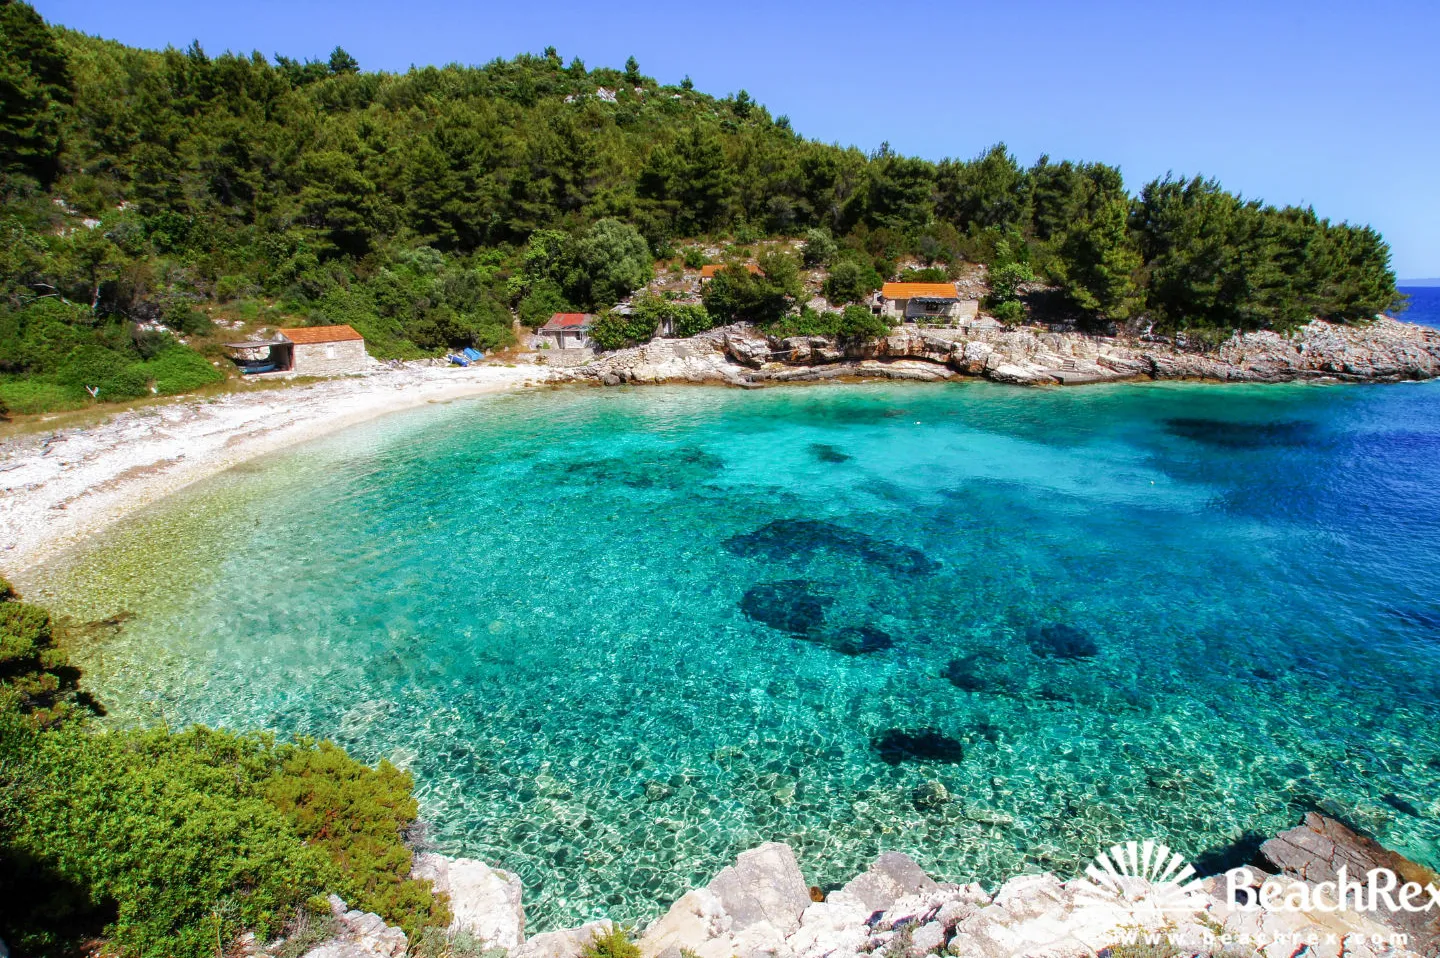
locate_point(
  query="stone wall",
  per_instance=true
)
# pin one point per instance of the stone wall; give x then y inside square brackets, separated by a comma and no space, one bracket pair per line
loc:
[331,359]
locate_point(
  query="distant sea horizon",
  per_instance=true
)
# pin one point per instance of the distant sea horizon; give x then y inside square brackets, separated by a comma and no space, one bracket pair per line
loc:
[1424,306]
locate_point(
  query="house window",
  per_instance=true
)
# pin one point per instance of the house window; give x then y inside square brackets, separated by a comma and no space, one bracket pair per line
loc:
[329,352]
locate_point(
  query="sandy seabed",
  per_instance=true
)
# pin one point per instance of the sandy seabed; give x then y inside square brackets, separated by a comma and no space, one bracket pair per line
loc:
[58,489]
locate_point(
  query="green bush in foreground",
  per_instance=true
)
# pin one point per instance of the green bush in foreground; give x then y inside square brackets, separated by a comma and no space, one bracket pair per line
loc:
[172,845]
[615,942]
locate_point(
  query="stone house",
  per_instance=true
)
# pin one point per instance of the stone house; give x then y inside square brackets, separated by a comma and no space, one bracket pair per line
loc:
[323,350]
[567,330]
[919,302]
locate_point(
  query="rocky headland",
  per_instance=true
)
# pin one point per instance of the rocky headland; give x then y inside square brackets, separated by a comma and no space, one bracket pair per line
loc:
[1383,351]
[762,907]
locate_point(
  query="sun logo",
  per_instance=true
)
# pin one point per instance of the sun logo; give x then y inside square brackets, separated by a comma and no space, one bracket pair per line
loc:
[1145,872]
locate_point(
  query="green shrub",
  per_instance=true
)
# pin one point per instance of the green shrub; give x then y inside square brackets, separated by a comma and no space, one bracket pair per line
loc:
[357,815]
[930,274]
[38,395]
[820,247]
[1004,299]
[161,837]
[612,330]
[656,313]
[36,678]
[1009,311]
[171,845]
[851,281]
[695,257]
[615,942]
[737,295]
[853,323]
[112,375]
[543,301]
[177,369]
[184,318]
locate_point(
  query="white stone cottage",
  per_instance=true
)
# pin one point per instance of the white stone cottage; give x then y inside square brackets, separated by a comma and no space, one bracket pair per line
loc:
[919,302]
[567,330]
[323,350]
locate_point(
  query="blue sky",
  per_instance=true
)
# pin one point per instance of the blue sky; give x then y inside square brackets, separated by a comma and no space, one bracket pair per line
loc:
[1294,101]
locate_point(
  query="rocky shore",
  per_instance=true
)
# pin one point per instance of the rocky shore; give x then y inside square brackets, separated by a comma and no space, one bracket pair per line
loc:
[1384,351]
[762,907]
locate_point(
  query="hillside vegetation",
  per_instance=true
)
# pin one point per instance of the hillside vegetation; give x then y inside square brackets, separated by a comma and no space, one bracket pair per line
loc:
[144,189]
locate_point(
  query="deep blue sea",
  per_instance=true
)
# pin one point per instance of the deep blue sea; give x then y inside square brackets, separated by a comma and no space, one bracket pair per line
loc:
[1424,305]
[621,635]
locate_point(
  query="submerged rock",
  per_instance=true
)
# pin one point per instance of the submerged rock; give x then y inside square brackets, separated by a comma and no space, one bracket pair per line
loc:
[681,468]
[1061,641]
[858,640]
[895,746]
[978,672]
[789,539]
[930,796]
[1229,434]
[789,606]
[828,453]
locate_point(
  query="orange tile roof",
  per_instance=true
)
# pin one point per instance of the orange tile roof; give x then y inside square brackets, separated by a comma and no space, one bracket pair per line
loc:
[921,290]
[708,272]
[568,321]
[322,334]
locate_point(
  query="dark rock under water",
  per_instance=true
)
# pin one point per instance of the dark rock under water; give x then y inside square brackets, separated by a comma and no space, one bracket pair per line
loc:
[788,539]
[895,746]
[1060,640]
[858,640]
[672,468]
[1228,434]
[790,606]
[977,672]
[828,453]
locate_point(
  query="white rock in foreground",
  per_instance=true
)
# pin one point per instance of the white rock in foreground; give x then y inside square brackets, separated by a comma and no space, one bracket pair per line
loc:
[485,902]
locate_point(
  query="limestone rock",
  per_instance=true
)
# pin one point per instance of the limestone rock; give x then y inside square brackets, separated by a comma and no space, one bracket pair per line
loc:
[360,935]
[892,876]
[1315,851]
[747,910]
[1386,350]
[566,943]
[691,924]
[485,902]
[764,885]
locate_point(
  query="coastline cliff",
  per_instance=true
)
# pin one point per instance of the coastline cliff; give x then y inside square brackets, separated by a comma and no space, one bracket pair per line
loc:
[1386,350]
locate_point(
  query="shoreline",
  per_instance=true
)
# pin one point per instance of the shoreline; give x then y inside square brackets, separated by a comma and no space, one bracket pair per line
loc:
[59,489]
[63,488]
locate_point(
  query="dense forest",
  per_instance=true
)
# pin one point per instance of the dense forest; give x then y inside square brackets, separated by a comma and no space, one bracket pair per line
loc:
[141,190]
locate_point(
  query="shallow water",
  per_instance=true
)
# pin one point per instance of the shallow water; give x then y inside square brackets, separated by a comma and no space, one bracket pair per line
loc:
[621,635]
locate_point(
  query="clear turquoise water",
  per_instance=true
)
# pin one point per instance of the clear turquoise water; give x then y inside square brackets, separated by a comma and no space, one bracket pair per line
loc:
[1100,614]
